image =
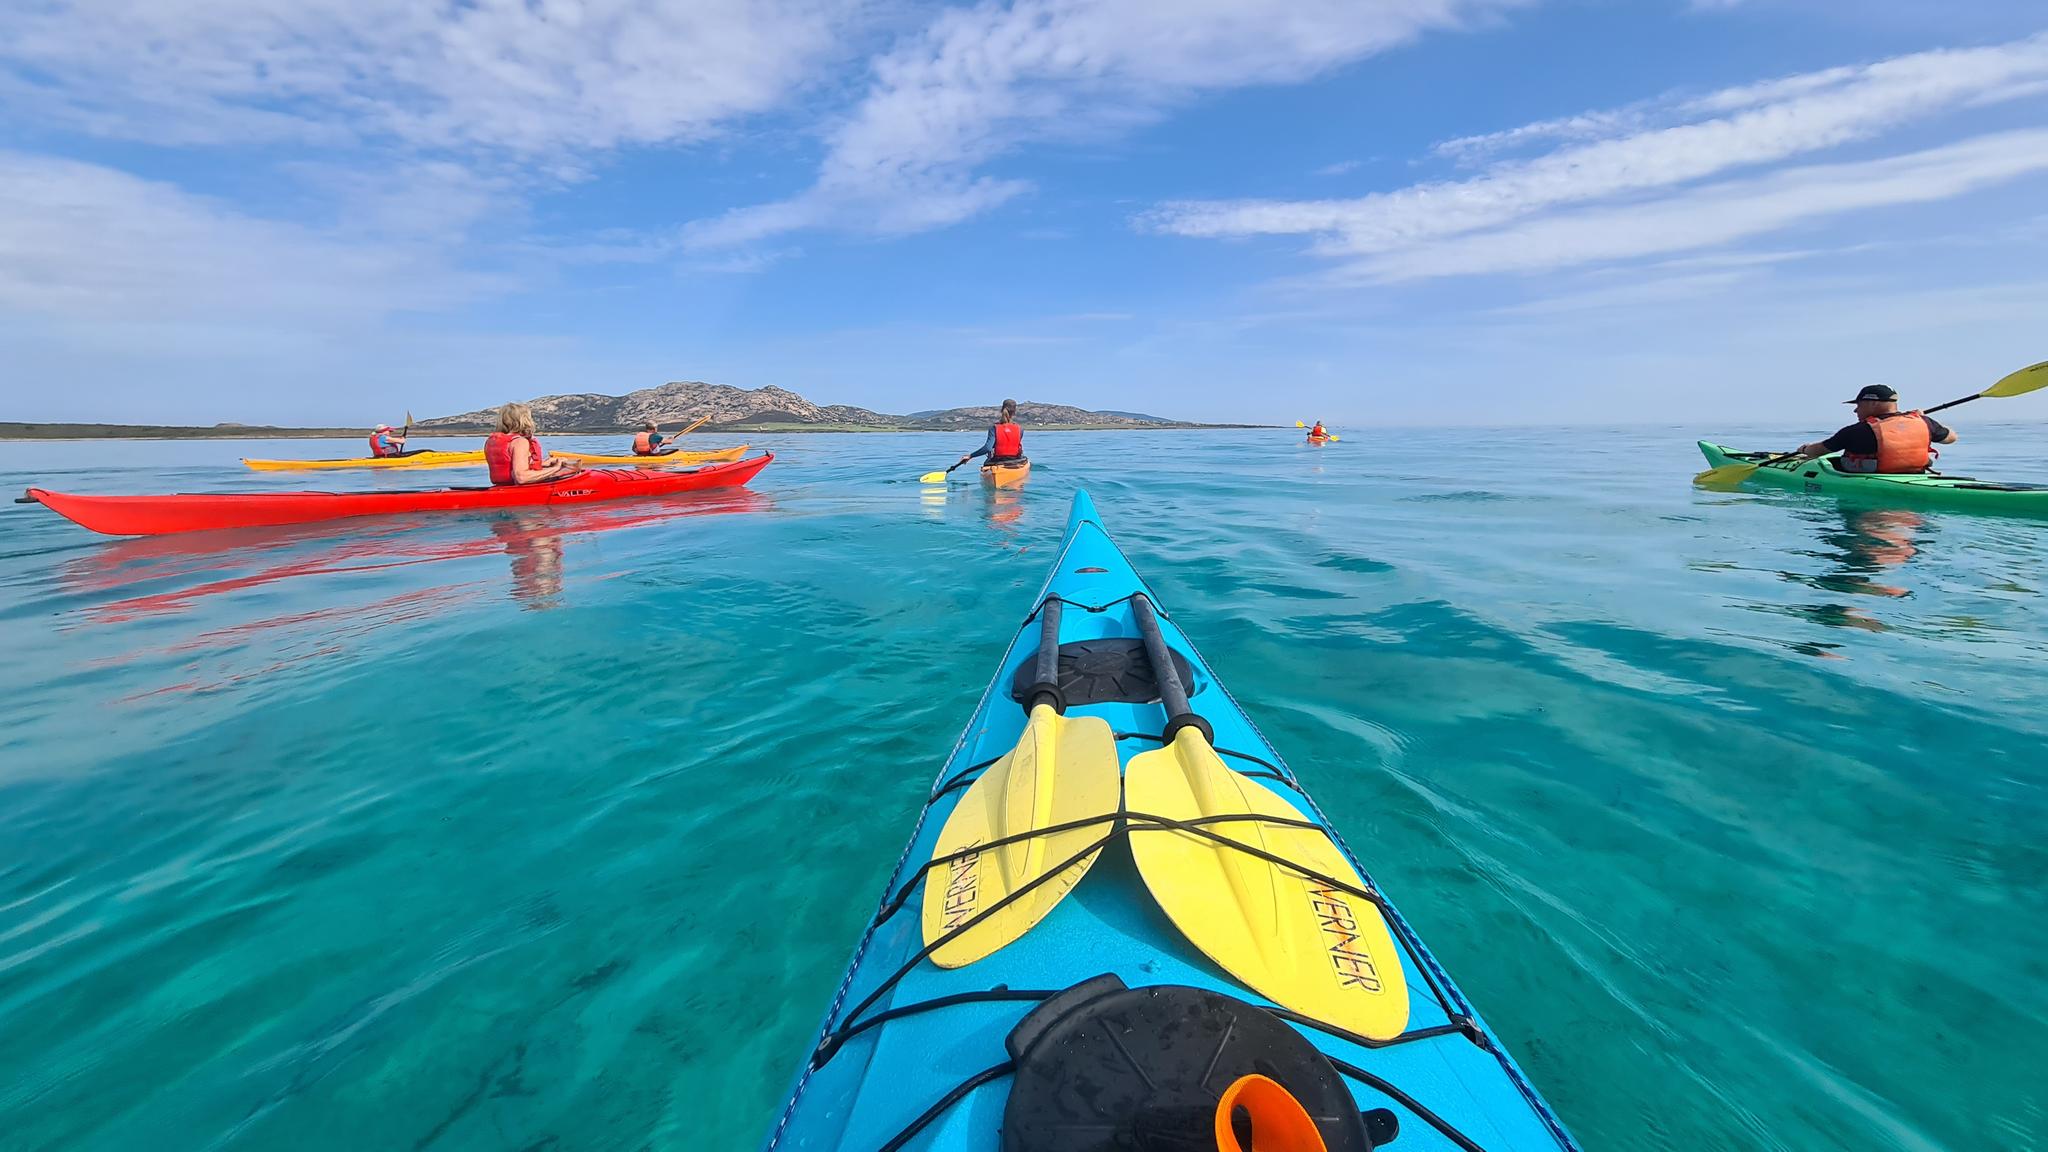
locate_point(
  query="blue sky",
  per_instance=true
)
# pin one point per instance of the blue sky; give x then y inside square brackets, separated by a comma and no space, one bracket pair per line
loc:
[1406,211]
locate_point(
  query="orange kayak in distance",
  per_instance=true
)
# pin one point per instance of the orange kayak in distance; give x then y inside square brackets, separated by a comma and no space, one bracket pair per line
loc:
[1009,474]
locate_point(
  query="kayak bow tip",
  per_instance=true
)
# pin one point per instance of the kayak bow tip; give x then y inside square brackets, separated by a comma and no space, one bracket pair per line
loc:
[1083,512]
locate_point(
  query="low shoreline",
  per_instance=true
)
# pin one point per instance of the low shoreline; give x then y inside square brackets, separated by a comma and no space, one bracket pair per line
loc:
[26,432]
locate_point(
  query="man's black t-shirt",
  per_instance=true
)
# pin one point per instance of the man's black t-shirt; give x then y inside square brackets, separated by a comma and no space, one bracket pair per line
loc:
[1861,439]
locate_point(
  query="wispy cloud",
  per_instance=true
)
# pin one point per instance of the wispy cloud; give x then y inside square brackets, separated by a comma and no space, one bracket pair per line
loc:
[1340,168]
[417,134]
[528,78]
[978,81]
[85,242]
[1449,227]
[1720,213]
[1584,126]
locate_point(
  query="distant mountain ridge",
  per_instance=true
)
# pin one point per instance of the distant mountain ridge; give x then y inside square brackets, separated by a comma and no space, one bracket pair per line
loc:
[728,407]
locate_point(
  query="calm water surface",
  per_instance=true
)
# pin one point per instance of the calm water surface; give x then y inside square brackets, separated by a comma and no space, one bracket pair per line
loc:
[555,832]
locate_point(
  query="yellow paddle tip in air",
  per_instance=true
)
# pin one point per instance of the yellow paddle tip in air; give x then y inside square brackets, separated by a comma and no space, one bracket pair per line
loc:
[932,478]
[1303,943]
[1062,771]
[2020,383]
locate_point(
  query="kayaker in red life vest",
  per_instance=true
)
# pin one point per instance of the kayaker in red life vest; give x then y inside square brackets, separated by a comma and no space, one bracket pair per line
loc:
[384,442]
[1883,439]
[648,441]
[1317,432]
[1005,441]
[514,455]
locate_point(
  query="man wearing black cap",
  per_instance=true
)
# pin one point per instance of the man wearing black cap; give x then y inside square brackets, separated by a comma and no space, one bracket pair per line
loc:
[1883,439]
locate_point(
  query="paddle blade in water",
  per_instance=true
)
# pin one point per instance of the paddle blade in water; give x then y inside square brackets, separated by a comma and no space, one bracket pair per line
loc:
[2021,382]
[1725,476]
[1061,771]
[932,478]
[1307,945]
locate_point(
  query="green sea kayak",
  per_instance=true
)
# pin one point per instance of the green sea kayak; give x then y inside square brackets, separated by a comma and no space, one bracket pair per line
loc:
[1926,489]
[1121,924]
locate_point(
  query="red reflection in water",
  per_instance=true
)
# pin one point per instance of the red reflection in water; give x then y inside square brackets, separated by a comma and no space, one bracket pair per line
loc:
[533,539]
[343,621]
[1886,537]
[536,552]
[1004,508]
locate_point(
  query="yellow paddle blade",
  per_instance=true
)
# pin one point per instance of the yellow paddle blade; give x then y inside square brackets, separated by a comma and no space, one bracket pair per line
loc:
[932,478]
[2021,382]
[1333,436]
[1299,424]
[1724,476]
[1304,944]
[1061,771]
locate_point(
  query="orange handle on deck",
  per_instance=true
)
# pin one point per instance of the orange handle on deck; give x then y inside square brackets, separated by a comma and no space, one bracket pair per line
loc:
[1278,1121]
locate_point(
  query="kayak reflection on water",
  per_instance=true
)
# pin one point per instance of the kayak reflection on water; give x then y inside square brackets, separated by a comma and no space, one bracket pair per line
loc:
[536,554]
[1866,543]
[209,566]
[1005,508]
[536,541]
[1858,545]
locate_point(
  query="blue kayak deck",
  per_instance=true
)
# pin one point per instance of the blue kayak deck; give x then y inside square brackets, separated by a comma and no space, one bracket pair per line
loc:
[866,1086]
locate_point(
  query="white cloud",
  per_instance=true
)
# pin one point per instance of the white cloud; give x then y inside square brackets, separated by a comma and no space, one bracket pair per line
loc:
[1583,126]
[1721,213]
[529,77]
[87,243]
[978,81]
[1746,127]
[419,127]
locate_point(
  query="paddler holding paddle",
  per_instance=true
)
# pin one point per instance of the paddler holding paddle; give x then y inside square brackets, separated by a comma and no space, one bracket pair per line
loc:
[1883,439]
[385,442]
[650,441]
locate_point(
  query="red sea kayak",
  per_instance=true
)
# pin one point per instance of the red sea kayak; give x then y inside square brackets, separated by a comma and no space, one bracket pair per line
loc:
[195,512]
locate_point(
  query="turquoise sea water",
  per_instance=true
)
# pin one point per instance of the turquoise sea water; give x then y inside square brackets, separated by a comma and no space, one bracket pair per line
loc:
[555,833]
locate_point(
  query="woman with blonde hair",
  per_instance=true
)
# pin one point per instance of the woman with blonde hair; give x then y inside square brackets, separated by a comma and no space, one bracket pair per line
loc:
[514,454]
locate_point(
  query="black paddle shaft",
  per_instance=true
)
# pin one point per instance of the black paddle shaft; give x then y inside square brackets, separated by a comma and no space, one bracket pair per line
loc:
[1172,693]
[1951,404]
[1045,682]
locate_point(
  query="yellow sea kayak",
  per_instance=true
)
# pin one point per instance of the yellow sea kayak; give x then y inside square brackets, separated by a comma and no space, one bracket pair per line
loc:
[425,458]
[659,460]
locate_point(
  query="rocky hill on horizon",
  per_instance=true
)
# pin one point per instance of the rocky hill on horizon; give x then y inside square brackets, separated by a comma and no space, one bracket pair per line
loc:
[680,401]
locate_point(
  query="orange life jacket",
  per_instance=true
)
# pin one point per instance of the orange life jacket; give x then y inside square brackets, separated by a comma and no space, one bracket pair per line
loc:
[498,455]
[1009,442]
[643,444]
[1903,445]
[381,447]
